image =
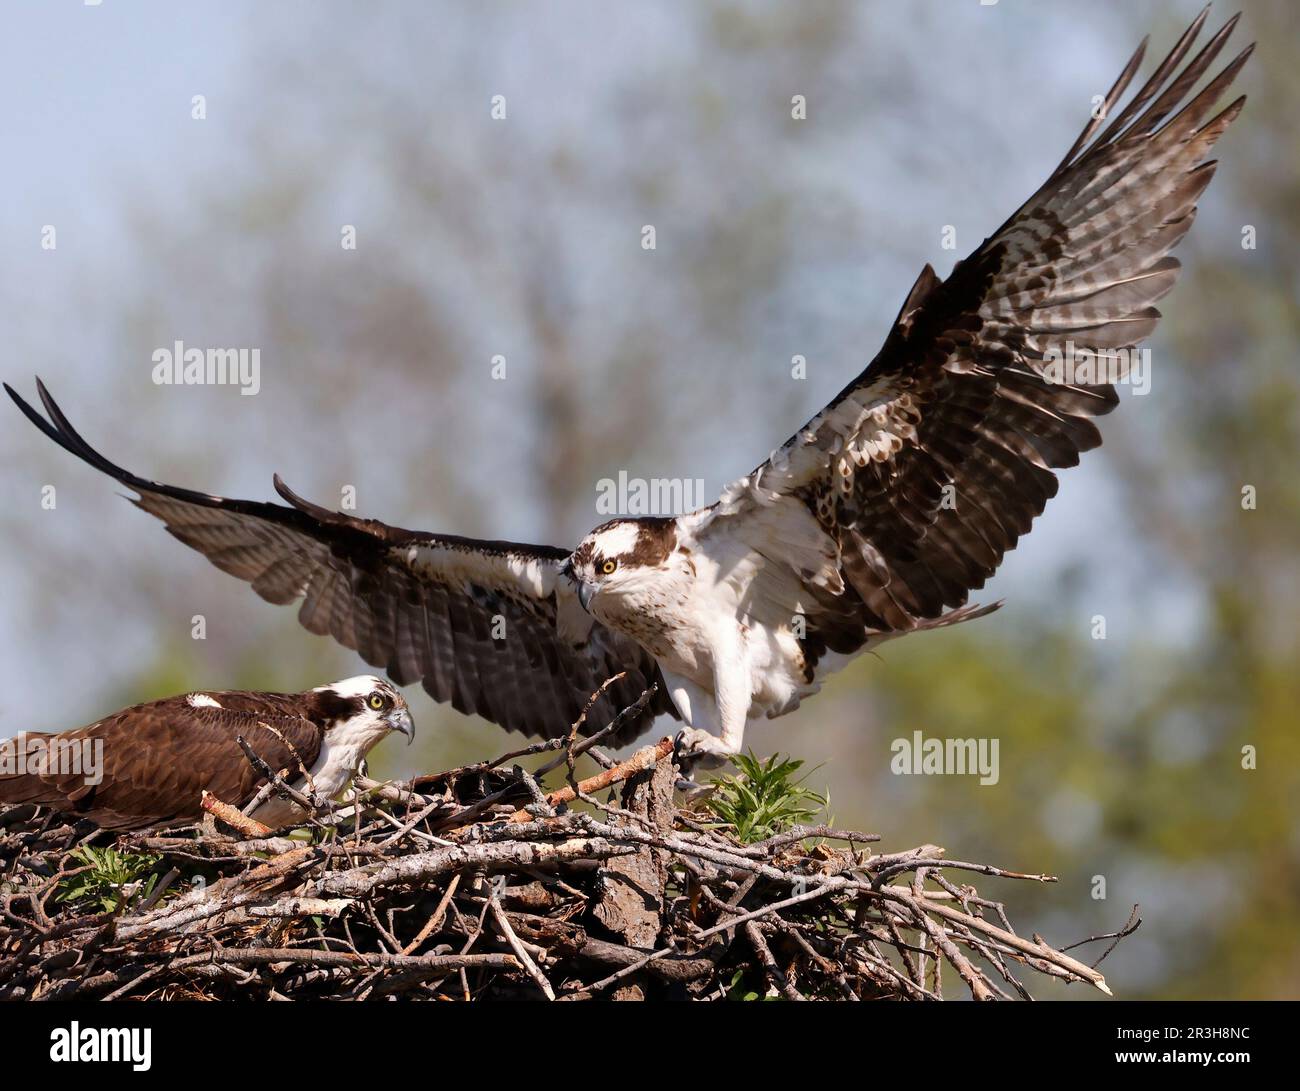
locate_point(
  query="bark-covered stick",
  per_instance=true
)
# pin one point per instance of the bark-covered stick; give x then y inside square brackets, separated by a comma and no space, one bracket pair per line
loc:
[641,760]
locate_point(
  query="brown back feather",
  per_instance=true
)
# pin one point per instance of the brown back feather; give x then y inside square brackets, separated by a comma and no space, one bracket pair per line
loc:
[158,758]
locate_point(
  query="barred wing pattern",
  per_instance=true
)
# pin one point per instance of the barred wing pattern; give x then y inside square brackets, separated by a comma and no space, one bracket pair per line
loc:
[490,627]
[931,464]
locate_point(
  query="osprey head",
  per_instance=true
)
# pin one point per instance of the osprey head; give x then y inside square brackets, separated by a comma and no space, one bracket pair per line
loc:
[360,711]
[621,556]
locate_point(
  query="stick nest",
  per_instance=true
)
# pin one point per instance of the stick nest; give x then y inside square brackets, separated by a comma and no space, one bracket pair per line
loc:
[478,884]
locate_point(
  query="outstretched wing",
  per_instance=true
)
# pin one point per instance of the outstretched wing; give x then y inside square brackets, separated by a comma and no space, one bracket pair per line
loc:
[933,462]
[149,765]
[491,627]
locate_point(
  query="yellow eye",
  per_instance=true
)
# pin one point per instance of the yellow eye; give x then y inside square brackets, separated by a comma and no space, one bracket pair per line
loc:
[608,567]
[376,701]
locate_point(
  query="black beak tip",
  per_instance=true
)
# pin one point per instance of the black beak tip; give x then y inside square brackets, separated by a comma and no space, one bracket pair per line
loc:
[405,725]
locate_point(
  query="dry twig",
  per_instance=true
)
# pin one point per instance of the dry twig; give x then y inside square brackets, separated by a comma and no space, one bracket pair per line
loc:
[458,891]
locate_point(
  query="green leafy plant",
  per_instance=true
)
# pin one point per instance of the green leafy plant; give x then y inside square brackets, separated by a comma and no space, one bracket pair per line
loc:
[111,879]
[738,990]
[765,799]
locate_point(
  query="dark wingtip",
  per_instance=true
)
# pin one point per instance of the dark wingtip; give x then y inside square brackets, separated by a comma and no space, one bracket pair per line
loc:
[15,397]
[48,429]
[56,414]
[18,399]
[303,505]
[47,400]
[285,492]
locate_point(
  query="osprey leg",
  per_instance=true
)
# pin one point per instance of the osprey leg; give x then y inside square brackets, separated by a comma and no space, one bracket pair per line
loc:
[716,725]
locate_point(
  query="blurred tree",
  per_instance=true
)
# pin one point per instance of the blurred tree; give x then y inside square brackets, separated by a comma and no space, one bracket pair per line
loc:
[1120,759]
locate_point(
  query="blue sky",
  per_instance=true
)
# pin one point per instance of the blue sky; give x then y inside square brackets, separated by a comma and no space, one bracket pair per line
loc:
[100,143]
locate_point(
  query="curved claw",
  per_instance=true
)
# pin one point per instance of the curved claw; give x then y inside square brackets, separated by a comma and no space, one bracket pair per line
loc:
[680,754]
[692,748]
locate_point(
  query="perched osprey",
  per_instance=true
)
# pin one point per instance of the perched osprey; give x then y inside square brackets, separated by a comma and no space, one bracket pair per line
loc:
[149,764]
[876,519]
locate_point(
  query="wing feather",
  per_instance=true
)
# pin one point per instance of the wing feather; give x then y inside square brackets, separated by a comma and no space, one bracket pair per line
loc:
[927,468]
[158,758]
[417,605]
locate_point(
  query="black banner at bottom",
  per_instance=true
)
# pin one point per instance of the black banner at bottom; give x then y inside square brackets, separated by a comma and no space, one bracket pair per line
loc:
[144,1039]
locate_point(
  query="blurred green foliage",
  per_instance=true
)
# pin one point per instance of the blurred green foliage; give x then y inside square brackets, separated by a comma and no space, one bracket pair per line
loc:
[1123,762]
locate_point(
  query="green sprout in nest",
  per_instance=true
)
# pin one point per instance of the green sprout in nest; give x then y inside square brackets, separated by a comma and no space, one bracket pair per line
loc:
[765,799]
[110,879]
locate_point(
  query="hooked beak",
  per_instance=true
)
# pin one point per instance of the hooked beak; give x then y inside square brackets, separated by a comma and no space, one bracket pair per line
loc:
[400,720]
[586,591]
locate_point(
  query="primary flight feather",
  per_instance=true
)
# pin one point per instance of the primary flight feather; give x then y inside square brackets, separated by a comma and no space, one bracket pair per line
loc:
[876,519]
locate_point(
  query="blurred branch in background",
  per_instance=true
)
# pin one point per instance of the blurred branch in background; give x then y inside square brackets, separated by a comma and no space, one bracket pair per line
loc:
[1160,765]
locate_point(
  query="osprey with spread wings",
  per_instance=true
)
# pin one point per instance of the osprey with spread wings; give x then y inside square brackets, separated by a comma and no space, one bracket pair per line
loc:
[876,519]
